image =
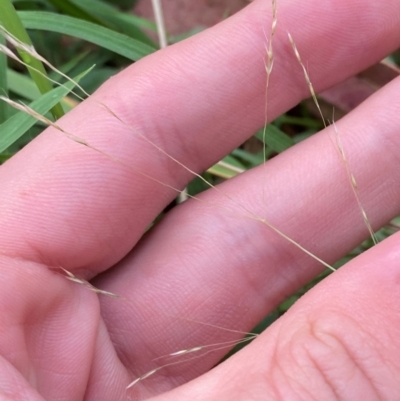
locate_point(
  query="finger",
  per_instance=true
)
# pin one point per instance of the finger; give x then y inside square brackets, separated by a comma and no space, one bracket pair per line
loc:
[221,268]
[339,342]
[82,210]
[47,336]
[14,386]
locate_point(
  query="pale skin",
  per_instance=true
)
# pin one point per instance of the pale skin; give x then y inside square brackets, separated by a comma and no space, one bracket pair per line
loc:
[65,205]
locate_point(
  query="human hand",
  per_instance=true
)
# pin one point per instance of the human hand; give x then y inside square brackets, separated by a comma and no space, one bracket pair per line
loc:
[66,205]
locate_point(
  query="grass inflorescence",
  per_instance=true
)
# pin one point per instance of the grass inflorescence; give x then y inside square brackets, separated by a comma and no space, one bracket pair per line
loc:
[245,212]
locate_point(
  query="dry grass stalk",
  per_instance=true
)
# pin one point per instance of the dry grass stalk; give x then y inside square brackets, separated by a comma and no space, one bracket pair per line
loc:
[352,179]
[192,172]
[85,283]
[159,17]
[28,110]
[249,214]
[8,52]
[162,40]
[32,52]
[82,141]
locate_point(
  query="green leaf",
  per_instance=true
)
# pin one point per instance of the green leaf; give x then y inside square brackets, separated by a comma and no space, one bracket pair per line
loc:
[3,82]
[17,125]
[35,2]
[22,85]
[74,10]
[185,35]
[126,23]
[74,62]
[104,9]
[220,171]
[300,121]
[4,157]
[229,167]
[276,139]
[11,22]
[252,159]
[104,37]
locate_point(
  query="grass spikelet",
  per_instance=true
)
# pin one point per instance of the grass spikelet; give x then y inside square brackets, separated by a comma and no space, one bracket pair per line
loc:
[307,78]
[269,50]
[225,345]
[215,346]
[141,378]
[28,110]
[73,278]
[33,53]
[269,63]
[353,184]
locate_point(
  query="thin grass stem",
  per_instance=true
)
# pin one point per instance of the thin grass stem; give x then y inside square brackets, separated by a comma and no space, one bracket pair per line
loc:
[159,17]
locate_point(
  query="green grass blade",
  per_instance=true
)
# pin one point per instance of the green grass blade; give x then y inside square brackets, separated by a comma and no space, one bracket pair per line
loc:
[253,159]
[104,37]
[3,83]
[229,167]
[300,121]
[276,139]
[74,62]
[126,23]
[74,10]
[35,3]
[22,85]
[10,20]
[17,125]
[103,9]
